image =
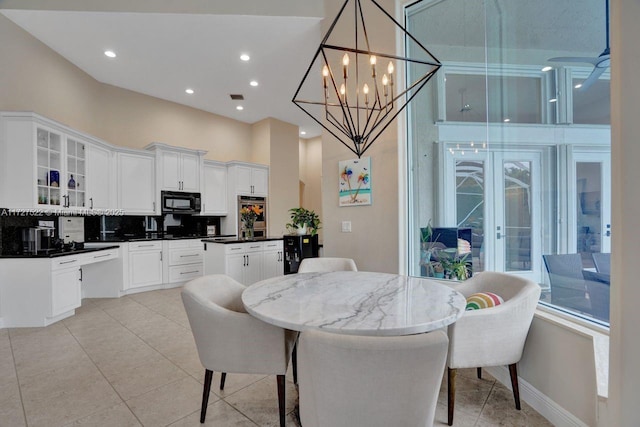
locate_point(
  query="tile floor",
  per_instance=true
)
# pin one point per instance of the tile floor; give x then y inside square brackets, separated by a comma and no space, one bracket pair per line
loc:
[132,361]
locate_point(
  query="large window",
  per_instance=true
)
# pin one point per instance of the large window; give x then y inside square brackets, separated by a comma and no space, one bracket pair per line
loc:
[507,153]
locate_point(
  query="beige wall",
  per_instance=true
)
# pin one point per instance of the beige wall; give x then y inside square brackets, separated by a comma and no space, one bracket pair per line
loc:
[373,242]
[275,143]
[311,176]
[35,78]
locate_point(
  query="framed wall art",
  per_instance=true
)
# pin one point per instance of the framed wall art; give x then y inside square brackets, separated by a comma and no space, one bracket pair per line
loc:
[355,182]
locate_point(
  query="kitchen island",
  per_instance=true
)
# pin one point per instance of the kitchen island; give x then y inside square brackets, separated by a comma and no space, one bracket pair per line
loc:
[247,261]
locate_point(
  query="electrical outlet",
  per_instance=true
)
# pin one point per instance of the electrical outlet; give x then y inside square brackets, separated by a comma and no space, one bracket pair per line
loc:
[346,226]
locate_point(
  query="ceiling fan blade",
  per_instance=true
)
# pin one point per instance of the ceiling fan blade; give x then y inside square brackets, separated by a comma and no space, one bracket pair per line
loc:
[582,59]
[595,75]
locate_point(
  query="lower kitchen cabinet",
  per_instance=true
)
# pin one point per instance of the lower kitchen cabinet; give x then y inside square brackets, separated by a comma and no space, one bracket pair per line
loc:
[273,257]
[245,262]
[65,290]
[183,261]
[145,264]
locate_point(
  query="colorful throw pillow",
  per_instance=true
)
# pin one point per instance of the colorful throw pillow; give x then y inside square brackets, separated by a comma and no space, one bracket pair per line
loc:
[483,300]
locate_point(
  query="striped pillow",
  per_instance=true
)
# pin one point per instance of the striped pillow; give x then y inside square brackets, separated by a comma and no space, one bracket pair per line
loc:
[483,300]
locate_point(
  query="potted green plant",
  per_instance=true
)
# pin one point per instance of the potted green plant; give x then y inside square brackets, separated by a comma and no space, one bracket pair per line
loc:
[456,267]
[304,221]
[438,269]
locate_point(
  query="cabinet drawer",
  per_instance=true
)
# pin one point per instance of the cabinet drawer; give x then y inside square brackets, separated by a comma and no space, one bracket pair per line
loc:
[66,262]
[181,273]
[145,246]
[274,245]
[185,256]
[100,256]
[237,248]
[185,243]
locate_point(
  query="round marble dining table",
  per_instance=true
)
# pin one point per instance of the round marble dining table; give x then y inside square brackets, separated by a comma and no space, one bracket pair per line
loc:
[355,303]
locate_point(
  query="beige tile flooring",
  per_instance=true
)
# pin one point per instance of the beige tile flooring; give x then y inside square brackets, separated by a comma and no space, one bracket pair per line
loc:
[132,361]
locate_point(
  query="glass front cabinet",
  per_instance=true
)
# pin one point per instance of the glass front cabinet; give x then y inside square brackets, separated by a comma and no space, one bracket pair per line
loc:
[44,165]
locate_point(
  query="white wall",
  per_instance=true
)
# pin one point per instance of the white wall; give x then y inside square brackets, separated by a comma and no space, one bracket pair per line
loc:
[311,176]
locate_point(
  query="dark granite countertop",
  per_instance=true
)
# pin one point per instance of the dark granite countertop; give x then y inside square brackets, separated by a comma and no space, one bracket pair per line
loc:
[150,236]
[58,253]
[234,239]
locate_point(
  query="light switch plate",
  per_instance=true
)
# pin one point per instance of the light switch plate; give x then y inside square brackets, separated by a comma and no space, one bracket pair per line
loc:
[346,226]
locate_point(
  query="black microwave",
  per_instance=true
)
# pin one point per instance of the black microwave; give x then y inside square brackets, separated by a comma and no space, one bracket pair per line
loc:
[180,202]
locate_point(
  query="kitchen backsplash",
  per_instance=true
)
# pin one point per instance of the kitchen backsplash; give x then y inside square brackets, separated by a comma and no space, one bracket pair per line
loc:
[107,227]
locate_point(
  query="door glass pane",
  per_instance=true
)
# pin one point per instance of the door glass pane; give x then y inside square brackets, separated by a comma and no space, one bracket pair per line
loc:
[589,210]
[470,204]
[517,215]
[592,107]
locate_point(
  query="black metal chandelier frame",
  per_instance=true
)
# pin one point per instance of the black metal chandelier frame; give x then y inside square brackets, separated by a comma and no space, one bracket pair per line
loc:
[354,132]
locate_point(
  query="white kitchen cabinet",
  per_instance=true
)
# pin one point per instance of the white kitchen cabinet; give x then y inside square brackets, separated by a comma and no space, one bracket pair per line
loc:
[65,290]
[273,257]
[214,188]
[242,261]
[136,182]
[178,169]
[44,164]
[41,291]
[99,188]
[184,260]
[248,179]
[145,264]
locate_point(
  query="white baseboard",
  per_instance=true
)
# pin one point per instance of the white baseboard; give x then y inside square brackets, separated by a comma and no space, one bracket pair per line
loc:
[557,415]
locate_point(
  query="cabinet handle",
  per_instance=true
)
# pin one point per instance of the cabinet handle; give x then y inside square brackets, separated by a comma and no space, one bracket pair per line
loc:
[247,260]
[154,206]
[68,262]
[160,255]
[145,246]
[254,247]
[80,273]
[101,256]
[91,202]
[190,272]
[186,256]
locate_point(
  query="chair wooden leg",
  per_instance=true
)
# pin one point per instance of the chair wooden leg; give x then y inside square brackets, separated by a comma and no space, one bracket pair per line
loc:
[208,376]
[281,399]
[451,396]
[479,372]
[223,377]
[294,362]
[513,372]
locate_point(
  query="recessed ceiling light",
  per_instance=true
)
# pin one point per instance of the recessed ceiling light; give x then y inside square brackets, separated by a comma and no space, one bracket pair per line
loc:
[239,108]
[553,100]
[253,83]
[547,68]
[303,133]
[505,120]
[189,91]
[110,53]
[578,86]
[245,57]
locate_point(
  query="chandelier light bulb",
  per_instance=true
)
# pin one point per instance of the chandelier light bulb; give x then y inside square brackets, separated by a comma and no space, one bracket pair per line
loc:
[390,68]
[365,89]
[345,65]
[325,74]
[343,92]
[373,60]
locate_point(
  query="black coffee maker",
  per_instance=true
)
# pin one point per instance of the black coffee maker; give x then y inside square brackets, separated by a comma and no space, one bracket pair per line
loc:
[37,239]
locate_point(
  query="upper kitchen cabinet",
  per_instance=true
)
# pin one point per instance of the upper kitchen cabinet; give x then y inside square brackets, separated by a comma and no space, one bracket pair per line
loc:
[214,188]
[99,190]
[136,182]
[44,164]
[178,169]
[248,179]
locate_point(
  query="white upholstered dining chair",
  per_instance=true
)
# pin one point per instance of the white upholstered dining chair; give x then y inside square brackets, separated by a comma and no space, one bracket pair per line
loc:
[326,264]
[229,340]
[349,380]
[492,336]
[320,265]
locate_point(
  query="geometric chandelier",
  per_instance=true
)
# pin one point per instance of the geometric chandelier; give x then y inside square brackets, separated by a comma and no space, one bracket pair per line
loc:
[359,89]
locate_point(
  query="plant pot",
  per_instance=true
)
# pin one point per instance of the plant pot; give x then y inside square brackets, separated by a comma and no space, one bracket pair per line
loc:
[301,231]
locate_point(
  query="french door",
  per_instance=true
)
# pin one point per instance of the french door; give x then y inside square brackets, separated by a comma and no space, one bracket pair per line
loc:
[590,226]
[498,195]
